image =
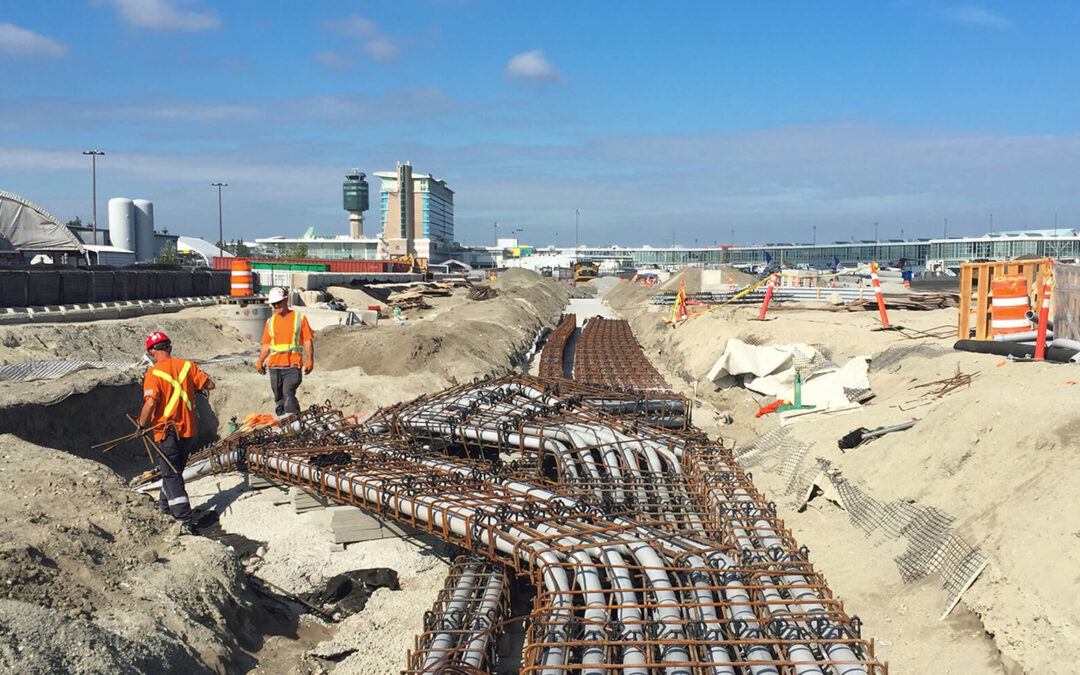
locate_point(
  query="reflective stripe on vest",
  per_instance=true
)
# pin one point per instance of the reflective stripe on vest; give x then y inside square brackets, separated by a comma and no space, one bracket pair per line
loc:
[284,348]
[178,389]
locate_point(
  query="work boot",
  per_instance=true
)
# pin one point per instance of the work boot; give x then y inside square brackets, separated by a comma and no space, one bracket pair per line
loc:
[187,528]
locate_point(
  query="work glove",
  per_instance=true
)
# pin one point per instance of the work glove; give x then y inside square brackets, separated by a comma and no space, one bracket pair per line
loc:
[260,368]
[145,432]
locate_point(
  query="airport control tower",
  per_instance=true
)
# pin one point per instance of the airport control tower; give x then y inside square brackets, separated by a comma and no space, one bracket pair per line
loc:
[356,201]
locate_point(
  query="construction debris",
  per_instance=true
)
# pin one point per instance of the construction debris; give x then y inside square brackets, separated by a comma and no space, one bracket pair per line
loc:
[415,296]
[859,436]
[917,301]
[482,293]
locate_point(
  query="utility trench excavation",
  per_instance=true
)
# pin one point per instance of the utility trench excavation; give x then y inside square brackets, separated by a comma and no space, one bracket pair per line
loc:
[517,475]
[647,548]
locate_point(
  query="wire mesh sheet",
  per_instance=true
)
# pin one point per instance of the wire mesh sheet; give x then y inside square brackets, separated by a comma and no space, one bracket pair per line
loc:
[933,546]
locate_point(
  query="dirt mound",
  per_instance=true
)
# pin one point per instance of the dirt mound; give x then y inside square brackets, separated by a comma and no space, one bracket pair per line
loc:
[197,333]
[692,277]
[470,339]
[97,579]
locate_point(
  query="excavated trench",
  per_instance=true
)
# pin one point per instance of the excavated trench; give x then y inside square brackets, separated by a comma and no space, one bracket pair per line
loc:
[98,413]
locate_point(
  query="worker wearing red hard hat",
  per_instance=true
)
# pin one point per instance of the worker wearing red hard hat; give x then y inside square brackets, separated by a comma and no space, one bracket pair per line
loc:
[286,344]
[168,413]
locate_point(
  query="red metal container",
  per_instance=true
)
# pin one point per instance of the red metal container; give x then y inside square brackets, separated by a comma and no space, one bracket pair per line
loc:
[343,266]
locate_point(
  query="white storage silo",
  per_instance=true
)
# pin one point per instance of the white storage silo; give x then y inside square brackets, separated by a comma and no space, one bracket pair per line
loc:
[122,223]
[144,230]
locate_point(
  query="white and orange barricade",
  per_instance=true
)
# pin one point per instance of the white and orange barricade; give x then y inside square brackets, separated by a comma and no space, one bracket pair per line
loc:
[1009,305]
[242,282]
[880,297]
[768,297]
[731,283]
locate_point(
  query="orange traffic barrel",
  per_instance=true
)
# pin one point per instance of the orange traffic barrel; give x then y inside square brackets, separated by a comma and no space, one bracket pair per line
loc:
[241,278]
[1008,305]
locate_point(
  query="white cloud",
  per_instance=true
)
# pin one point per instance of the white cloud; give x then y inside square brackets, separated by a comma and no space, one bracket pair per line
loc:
[376,44]
[164,15]
[22,42]
[976,16]
[382,49]
[193,112]
[332,60]
[532,66]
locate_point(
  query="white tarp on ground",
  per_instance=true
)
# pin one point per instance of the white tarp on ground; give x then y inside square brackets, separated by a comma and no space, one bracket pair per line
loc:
[770,370]
[31,228]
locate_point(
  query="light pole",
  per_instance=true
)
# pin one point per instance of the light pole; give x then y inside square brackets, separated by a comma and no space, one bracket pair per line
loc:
[93,181]
[814,241]
[496,229]
[577,213]
[876,241]
[221,235]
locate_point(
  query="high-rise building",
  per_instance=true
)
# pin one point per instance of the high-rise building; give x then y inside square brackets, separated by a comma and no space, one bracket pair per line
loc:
[417,214]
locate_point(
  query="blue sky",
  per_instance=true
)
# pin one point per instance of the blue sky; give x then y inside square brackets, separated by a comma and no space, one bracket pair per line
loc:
[685,120]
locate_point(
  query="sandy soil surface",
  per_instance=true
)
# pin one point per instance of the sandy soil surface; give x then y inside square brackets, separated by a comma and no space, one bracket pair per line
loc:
[98,581]
[998,456]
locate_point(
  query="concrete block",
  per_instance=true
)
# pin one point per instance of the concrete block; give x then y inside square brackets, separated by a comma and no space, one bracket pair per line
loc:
[74,314]
[304,501]
[128,310]
[105,310]
[337,548]
[14,316]
[258,481]
[347,524]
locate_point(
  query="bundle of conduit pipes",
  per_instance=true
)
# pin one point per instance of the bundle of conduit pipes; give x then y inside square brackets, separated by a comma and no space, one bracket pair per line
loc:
[693,574]
[1022,345]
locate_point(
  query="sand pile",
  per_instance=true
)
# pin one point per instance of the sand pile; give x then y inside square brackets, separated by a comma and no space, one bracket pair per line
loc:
[198,331]
[989,459]
[465,340]
[98,581]
[690,275]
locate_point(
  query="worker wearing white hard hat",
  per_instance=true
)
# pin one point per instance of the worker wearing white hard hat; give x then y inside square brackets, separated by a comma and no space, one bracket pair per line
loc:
[286,348]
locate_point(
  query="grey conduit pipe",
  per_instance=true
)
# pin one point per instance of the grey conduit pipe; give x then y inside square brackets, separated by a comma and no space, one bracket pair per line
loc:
[452,620]
[588,579]
[807,601]
[633,656]
[473,654]
[1026,336]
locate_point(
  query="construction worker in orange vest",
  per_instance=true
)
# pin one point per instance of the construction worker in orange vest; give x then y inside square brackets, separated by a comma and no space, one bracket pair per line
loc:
[168,413]
[286,344]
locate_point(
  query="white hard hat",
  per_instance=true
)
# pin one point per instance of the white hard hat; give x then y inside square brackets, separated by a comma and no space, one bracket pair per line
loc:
[276,295]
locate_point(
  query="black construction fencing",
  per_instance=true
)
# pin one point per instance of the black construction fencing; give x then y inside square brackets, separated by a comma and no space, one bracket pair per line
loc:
[41,288]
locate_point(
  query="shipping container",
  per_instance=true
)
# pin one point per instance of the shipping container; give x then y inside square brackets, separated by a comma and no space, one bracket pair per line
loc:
[320,265]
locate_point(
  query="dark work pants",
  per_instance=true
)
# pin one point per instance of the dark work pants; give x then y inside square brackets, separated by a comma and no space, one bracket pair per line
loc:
[174,497]
[283,382]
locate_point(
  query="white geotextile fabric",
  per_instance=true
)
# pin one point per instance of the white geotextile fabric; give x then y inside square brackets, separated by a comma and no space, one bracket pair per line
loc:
[770,370]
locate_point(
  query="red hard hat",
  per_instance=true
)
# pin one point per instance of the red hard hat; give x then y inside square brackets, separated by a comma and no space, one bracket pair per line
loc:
[156,337]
